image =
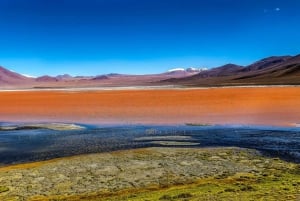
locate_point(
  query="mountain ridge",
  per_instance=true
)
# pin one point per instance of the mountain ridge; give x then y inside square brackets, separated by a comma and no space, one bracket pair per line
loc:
[269,70]
[8,77]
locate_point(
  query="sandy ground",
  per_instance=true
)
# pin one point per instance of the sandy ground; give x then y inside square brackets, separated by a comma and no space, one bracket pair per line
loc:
[253,105]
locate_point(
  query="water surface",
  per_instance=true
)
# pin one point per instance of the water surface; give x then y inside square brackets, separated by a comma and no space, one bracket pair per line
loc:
[42,144]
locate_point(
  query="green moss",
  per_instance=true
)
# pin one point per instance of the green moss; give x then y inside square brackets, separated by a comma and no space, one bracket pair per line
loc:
[231,188]
[3,189]
[263,179]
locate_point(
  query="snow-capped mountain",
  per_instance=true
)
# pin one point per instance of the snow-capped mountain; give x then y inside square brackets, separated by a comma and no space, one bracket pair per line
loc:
[190,70]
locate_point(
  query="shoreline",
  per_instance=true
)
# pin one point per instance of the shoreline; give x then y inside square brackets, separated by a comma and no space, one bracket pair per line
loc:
[69,126]
[120,88]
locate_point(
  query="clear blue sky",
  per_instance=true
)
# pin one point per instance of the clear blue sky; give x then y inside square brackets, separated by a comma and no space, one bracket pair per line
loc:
[143,36]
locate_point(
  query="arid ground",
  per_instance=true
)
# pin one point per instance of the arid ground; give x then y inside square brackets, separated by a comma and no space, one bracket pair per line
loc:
[247,105]
[154,174]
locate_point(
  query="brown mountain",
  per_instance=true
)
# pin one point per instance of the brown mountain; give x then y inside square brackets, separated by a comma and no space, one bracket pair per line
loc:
[64,77]
[213,73]
[271,70]
[101,77]
[8,77]
[266,63]
[46,78]
[284,70]
[225,70]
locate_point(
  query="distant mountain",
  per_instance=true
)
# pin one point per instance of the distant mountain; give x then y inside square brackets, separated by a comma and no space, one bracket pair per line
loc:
[271,70]
[194,70]
[176,70]
[182,72]
[189,70]
[114,74]
[293,60]
[275,68]
[46,78]
[101,77]
[224,70]
[266,63]
[8,77]
[283,70]
[64,77]
[83,77]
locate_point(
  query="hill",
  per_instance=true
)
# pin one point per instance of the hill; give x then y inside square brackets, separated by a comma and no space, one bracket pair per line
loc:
[8,78]
[281,70]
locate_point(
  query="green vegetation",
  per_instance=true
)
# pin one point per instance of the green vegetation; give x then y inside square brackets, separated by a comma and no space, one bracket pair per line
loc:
[3,189]
[285,186]
[269,179]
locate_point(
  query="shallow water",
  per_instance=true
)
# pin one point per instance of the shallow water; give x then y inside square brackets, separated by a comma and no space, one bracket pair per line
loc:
[41,144]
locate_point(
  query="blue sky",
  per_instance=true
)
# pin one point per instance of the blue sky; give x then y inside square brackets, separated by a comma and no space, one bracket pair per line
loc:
[143,36]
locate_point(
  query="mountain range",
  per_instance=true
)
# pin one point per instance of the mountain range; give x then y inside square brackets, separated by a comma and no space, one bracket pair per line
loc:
[283,70]
[275,70]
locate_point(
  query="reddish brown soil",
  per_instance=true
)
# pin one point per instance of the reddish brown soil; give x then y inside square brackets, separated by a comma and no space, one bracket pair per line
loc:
[269,106]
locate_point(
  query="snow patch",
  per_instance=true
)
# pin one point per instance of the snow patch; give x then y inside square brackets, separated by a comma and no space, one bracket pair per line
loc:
[190,69]
[176,69]
[29,76]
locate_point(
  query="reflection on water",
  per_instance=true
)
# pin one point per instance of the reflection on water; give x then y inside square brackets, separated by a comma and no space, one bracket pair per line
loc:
[34,145]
